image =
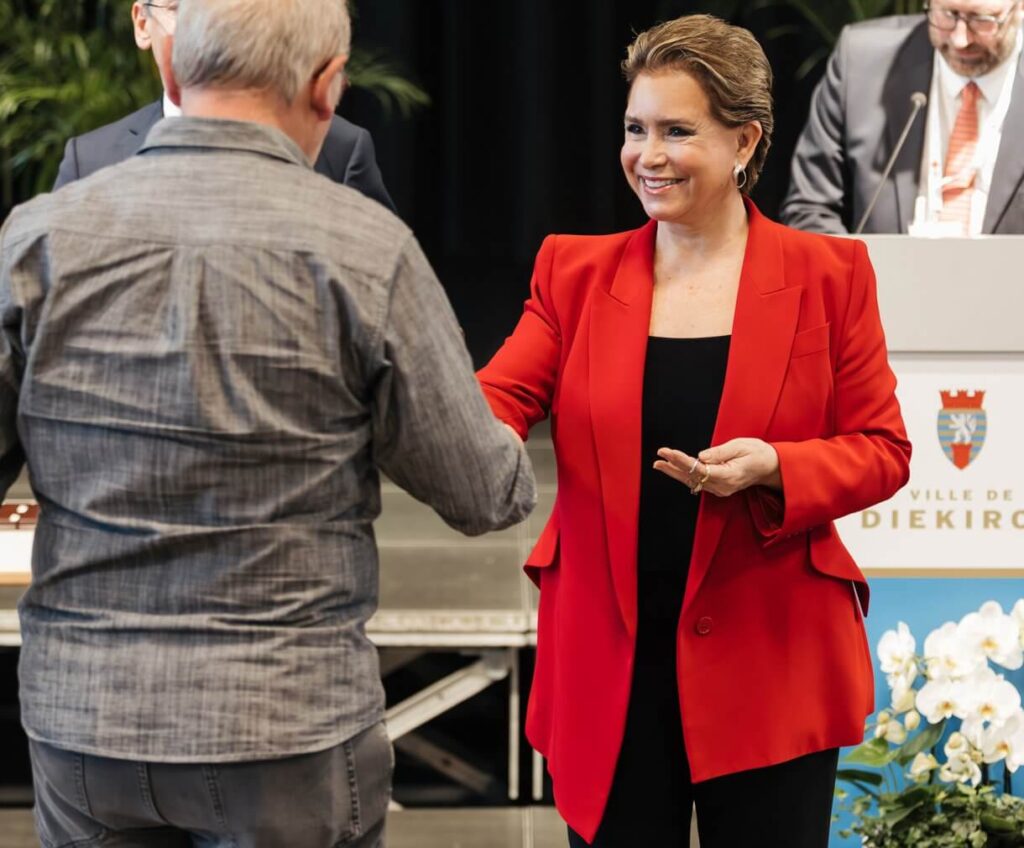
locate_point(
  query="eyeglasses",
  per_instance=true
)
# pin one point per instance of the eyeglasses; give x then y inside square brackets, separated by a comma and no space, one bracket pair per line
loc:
[947,20]
[167,15]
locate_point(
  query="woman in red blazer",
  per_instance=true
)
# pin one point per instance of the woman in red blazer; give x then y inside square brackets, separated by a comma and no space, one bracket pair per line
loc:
[704,647]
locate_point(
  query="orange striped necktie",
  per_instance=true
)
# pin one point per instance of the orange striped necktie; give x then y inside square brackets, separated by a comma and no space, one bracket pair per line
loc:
[958,186]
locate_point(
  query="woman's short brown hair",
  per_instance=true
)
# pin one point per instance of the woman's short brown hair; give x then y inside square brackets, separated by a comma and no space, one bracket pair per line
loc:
[728,64]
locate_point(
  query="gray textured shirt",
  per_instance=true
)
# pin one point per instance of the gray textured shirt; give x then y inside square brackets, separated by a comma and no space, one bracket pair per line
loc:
[207,353]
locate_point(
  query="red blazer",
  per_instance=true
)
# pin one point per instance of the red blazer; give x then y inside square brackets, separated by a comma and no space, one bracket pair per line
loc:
[774,662]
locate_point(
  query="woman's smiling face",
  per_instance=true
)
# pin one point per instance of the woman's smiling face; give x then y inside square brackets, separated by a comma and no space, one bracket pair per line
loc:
[677,157]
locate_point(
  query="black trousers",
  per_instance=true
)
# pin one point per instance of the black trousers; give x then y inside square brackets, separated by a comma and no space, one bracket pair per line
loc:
[783,806]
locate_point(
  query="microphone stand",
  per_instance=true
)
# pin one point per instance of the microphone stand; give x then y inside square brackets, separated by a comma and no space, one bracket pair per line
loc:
[917,100]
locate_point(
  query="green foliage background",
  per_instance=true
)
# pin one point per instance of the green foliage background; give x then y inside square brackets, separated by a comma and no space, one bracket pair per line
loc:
[69,66]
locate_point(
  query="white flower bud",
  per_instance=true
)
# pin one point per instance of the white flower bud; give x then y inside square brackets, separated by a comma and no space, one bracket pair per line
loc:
[956,744]
[895,733]
[912,720]
[921,766]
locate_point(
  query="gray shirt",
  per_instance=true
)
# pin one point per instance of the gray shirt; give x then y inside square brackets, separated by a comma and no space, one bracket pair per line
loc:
[207,353]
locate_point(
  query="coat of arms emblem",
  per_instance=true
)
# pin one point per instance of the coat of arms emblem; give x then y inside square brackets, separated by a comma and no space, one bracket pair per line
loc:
[962,426]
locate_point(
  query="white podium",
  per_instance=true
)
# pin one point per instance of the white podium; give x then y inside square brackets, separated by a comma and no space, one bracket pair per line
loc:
[953,311]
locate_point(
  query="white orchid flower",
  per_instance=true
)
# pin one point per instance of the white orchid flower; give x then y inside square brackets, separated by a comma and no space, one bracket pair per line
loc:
[995,633]
[973,730]
[1013,742]
[942,698]
[922,765]
[903,680]
[990,697]
[1018,615]
[896,650]
[960,768]
[912,720]
[948,655]
[902,697]
[998,742]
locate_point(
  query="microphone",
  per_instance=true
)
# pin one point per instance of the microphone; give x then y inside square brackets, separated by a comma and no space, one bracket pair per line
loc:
[918,100]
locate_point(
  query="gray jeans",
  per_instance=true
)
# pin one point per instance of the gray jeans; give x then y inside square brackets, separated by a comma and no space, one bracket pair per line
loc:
[337,797]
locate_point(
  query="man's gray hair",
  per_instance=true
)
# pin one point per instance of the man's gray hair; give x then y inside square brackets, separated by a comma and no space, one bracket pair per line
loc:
[258,44]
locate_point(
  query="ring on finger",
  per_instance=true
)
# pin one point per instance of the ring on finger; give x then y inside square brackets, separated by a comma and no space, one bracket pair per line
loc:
[696,489]
[693,467]
[707,474]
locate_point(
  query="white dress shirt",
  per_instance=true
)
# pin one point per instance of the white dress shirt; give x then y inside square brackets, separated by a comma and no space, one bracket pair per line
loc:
[170,110]
[943,106]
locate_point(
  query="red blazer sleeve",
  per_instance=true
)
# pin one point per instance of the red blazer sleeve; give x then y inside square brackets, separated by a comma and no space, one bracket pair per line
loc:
[868,458]
[519,381]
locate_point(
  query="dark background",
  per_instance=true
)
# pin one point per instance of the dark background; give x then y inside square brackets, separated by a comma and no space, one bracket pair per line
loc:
[522,137]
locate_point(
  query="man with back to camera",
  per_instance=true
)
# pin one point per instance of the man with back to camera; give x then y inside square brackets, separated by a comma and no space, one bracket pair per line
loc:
[204,390]
[347,155]
[962,164]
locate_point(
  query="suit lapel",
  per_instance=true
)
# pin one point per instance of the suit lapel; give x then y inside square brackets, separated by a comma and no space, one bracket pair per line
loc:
[144,120]
[911,72]
[764,325]
[619,325]
[1009,167]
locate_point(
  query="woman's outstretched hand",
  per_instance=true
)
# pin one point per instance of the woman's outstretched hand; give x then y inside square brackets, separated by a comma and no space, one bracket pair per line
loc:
[725,469]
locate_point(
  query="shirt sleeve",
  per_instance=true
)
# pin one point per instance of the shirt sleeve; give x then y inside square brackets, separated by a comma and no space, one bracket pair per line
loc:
[12,361]
[434,434]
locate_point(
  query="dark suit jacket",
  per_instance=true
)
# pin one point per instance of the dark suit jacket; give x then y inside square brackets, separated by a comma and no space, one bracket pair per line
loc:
[857,113]
[347,155]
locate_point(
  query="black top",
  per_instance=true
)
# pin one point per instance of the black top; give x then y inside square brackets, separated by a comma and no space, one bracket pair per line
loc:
[683,381]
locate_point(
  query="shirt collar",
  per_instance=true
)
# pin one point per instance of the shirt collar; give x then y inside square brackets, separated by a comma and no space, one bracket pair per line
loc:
[990,84]
[224,135]
[170,110]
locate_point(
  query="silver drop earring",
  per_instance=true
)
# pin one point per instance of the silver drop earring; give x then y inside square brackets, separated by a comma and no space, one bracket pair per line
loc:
[739,174]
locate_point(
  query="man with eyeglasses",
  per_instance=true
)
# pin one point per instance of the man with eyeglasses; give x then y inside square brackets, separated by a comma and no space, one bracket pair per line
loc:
[347,157]
[960,170]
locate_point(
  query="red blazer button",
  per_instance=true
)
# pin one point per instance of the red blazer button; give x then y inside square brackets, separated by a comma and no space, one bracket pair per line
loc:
[703,626]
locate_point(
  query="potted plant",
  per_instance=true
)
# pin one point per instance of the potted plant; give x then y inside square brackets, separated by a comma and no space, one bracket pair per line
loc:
[937,769]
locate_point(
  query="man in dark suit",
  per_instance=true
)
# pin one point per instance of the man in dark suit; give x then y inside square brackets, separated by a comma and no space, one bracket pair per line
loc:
[860,108]
[347,155]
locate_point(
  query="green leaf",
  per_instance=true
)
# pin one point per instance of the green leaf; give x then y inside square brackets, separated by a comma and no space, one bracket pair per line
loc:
[874,753]
[997,824]
[920,743]
[811,62]
[370,72]
[860,776]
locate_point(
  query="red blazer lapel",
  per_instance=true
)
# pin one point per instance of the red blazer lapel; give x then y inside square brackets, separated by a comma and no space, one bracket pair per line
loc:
[763,328]
[619,324]
[764,325]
